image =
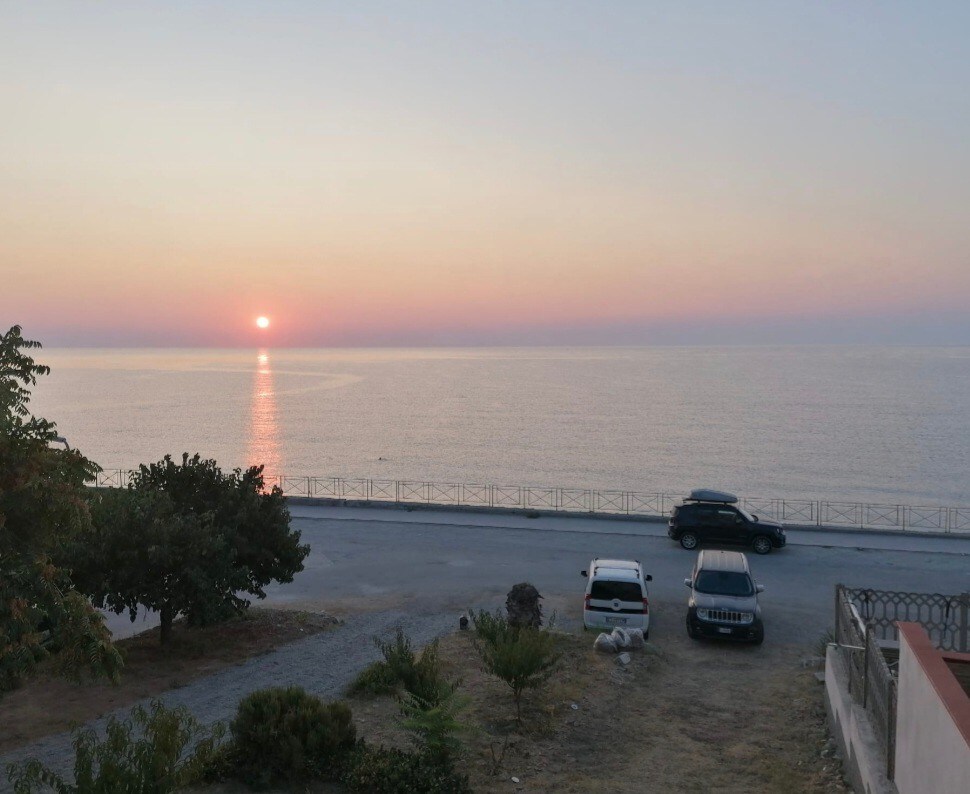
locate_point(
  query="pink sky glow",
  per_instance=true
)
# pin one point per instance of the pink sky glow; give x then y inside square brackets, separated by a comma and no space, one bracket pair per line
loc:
[369,177]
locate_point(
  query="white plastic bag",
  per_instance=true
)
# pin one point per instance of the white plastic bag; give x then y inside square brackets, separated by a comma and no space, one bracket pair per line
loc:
[636,639]
[605,644]
[621,638]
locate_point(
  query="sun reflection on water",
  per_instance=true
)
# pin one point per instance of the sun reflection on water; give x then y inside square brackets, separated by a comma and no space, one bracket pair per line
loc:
[264,438]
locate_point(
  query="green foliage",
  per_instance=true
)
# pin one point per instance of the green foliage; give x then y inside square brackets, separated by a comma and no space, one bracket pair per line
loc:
[385,770]
[141,552]
[255,522]
[42,508]
[435,728]
[222,765]
[375,679]
[285,734]
[492,627]
[146,754]
[523,658]
[429,703]
[419,675]
[187,539]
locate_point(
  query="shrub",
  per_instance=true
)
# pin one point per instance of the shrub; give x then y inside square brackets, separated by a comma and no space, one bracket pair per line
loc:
[385,770]
[153,763]
[286,734]
[523,659]
[419,675]
[376,679]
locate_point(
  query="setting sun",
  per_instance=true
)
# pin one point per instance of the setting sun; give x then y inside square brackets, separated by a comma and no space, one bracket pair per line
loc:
[262,322]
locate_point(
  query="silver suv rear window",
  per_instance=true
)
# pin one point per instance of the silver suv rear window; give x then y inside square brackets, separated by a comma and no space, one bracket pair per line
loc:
[605,590]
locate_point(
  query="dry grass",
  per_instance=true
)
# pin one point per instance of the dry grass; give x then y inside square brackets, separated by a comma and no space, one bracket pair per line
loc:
[46,705]
[692,717]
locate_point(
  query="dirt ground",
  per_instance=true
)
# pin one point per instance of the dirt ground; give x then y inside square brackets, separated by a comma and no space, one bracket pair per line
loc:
[684,716]
[46,704]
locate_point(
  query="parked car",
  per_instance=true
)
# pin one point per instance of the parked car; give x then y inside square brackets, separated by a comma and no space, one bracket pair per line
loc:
[724,598]
[616,595]
[714,517]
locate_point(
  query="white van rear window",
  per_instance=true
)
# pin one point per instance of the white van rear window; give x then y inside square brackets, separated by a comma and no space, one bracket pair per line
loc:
[605,590]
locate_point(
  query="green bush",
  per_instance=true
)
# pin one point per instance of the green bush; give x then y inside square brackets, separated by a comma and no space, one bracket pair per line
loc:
[385,770]
[419,675]
[286,734]
[153,763]
[376,679]
[524,659]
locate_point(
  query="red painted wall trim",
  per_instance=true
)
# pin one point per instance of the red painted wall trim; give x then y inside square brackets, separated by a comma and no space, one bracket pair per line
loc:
[953,656]
[931,660]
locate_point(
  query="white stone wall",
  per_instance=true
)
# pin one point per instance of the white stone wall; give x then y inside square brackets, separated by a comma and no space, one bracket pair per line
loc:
[932,756]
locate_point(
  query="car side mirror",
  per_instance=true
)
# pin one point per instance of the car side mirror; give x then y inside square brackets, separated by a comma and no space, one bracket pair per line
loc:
[686,582]
[583,573]
[760,588]
[754,516]
[648,578]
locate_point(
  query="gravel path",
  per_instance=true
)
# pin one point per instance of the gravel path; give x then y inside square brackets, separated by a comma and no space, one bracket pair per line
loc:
[323,664]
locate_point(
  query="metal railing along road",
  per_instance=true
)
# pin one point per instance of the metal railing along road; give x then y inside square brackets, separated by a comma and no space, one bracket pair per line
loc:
[805,512]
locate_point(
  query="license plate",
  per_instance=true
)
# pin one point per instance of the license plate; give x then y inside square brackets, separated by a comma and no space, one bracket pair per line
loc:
[616,621]
[724,631]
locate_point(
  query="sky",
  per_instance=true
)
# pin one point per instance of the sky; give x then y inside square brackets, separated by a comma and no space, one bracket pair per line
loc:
[441,173]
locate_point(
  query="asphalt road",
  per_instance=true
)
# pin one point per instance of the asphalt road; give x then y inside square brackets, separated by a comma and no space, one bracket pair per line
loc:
[367,559]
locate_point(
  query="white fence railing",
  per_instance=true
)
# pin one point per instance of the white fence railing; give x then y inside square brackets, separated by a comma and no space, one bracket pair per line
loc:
[805,512]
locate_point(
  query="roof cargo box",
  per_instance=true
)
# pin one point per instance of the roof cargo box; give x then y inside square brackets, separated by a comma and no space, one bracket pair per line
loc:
[710,495]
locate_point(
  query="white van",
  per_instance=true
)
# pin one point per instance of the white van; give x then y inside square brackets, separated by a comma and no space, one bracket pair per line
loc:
[616,595]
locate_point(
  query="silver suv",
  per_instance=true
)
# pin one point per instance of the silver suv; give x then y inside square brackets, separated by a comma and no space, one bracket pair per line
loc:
[724,598]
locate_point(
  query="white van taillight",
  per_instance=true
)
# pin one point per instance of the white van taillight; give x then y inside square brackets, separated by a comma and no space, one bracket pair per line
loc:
[587,601]
[646,606]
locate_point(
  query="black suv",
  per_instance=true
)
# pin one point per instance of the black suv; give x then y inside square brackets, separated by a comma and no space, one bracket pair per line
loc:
[714,517]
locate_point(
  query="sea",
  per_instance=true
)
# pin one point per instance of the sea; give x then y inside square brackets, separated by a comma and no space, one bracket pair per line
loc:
[887,425]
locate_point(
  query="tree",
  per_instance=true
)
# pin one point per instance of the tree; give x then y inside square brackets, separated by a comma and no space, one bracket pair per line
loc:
[188,539]
[42,507]
[141,552]
[523,657]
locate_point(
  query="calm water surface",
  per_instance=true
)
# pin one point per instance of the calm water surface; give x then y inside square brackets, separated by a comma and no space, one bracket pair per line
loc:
[873,424]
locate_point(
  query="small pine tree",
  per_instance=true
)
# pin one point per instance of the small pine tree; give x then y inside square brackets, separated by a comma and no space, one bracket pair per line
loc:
[524,659]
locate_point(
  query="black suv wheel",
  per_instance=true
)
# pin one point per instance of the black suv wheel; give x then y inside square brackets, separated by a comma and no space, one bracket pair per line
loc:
[689,540]
[761,544]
